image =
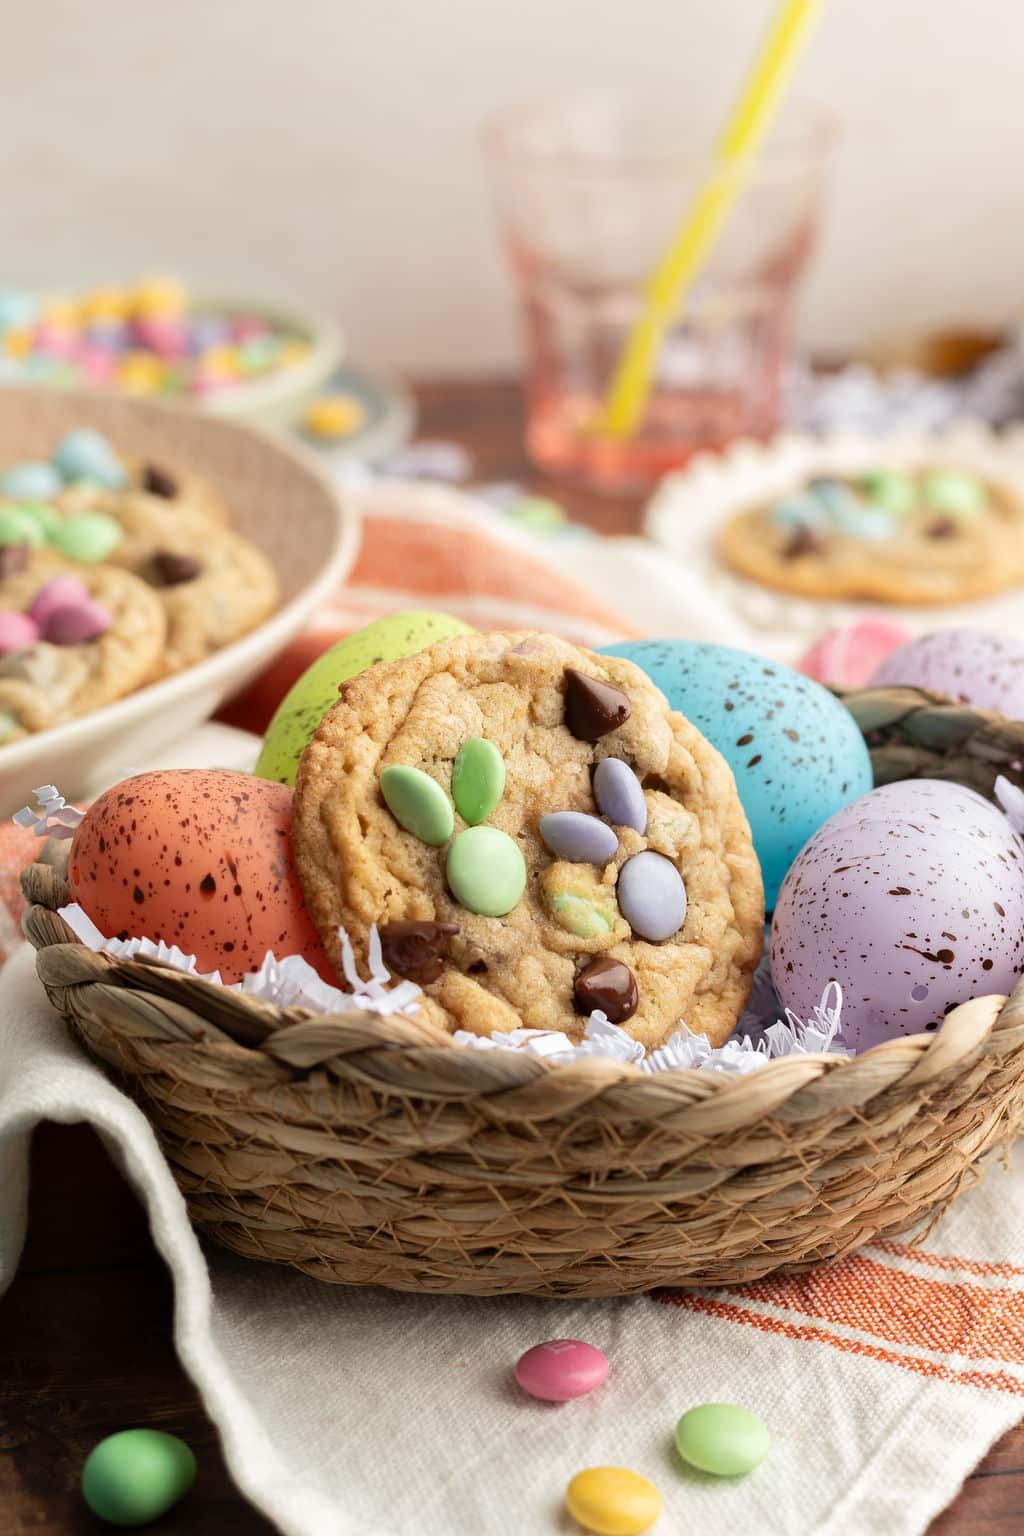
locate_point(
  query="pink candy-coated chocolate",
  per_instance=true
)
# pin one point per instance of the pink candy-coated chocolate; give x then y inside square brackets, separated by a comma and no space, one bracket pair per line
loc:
[97,364]
[17,631]
[846,657]
[167,337]
[76,624]
[61,592]
[561,1369]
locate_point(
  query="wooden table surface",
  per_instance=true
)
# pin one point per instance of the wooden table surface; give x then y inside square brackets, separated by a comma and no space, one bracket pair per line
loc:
[85,1330]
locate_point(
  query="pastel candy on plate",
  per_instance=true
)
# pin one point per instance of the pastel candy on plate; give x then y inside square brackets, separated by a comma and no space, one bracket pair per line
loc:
[974,666]
[795,750]
[561,1369]
[912,898]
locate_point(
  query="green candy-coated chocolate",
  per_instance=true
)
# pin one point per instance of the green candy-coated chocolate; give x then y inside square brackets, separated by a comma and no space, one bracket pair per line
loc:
[478,779]
[89,538]
[46,517]
[947,490]
[486,871]
[722,1439]
[418,803]
[18,526]
[890,489]
[308,700]
[136,1476]
[8,724]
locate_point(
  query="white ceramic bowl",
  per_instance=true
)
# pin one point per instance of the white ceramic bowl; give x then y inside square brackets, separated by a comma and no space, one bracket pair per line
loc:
[277,399]
[279,497]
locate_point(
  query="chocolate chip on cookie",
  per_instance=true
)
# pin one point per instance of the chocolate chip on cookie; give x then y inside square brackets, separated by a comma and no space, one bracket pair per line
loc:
[159,482]
[803,541]
[416,950]
[173,569]
[608,986]
[593,708]
[13,558]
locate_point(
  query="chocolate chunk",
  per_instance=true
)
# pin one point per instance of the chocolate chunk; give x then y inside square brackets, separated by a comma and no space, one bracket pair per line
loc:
[172,569]
[13,558]
[593,708]
[416,950]
[158,482]
[608,985]
[803,541]
[942,528]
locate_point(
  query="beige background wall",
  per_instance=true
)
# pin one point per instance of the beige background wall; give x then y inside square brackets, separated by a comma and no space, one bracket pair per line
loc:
[328,147]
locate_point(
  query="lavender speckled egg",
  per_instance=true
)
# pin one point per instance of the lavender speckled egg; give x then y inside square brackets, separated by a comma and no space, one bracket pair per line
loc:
[912,899]
[797,755]
[975,666]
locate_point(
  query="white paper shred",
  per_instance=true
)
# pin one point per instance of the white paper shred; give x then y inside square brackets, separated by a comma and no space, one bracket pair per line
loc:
[765,1033]
[51,817]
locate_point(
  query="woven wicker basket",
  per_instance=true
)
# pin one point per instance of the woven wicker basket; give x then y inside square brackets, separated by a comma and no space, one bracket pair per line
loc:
[374,1151]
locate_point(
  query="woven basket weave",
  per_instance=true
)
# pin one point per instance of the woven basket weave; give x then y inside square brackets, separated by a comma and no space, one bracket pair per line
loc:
[370,1150]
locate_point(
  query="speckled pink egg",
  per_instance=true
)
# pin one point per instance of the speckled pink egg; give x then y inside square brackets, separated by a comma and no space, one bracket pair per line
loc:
[198,858]
[972,665]
[912,898]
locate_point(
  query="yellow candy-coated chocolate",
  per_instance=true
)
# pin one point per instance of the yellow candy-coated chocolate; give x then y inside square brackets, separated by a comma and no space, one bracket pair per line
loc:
[220,363]
[291,352]
[334,416]
[140,373]
[106,303]
[612,1501]
[163,296]
[17,343]
[60,311]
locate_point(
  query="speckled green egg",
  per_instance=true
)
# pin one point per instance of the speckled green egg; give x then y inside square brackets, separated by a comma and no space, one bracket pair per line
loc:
[308,700]
[796,752]
[134,1477]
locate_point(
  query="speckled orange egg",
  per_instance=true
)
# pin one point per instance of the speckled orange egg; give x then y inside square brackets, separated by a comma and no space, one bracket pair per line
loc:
[198,858]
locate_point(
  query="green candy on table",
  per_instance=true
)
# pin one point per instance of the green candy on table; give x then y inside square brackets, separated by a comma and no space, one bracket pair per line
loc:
[308,700]
[947,490]
[418,803]
[90,537]
[18,526]
[722,1439]
[136,1476]
[478,779]
[890,489]
[537,513]
[486,871]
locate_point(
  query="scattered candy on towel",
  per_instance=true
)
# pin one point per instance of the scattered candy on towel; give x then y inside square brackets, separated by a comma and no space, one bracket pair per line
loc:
[136,1476]
[613,1501]
[561,1369]
[722,1439]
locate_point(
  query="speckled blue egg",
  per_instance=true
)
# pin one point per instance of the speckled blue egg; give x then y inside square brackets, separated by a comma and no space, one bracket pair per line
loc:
[913,900]
[797,755]
[976,666]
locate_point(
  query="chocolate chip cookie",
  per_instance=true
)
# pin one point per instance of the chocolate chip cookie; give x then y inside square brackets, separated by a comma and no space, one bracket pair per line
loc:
[536,836]
[932,535]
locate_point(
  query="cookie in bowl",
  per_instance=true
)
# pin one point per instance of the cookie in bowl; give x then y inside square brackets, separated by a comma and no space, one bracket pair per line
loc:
[924,535]
[70,642]
[536,836]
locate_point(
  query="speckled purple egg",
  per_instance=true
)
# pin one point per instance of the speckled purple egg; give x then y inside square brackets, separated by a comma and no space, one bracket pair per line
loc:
[912,898]
[975,666]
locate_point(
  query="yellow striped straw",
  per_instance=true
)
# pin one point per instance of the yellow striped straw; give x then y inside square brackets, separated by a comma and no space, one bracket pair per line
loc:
[670,280]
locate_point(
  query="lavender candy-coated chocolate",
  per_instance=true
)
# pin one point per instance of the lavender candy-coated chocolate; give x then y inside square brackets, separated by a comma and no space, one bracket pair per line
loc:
[912,898]
[652,896]
[580,838]
[619,794]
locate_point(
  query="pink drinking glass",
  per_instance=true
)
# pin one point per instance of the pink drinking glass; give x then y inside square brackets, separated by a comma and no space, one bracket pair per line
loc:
[589,196]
